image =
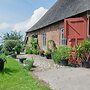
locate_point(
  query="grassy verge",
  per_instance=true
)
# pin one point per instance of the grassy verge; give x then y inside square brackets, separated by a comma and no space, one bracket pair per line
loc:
[14,77]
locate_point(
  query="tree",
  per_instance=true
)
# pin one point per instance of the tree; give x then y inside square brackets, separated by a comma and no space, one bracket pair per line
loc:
[13,35]
[11,40]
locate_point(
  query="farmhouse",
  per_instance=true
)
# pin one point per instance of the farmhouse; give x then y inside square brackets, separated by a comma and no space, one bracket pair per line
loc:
[67,23]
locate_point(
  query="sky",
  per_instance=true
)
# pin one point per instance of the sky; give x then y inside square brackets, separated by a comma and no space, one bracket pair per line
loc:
[20,15]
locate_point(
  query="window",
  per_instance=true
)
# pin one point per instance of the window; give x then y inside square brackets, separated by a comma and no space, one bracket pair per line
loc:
[63,41]
[44,39]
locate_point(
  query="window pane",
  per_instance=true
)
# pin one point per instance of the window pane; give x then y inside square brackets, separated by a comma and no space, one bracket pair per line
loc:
[62,36]
[44,39]
[63,40]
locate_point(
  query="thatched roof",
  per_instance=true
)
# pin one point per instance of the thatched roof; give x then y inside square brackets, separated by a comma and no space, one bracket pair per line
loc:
[60,10]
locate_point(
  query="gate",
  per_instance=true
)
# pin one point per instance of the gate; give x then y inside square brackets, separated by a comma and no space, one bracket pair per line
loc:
[75,32]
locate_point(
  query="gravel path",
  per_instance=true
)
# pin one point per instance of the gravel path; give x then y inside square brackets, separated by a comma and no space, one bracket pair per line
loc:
[60,77]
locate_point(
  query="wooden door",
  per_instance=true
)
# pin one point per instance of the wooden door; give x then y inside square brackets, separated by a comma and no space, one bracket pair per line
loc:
[75,29]
[75,32]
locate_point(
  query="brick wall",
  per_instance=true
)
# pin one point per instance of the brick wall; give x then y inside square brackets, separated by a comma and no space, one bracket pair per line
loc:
[52,33]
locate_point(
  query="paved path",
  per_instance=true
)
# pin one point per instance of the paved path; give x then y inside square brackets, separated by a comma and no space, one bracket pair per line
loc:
[60,77]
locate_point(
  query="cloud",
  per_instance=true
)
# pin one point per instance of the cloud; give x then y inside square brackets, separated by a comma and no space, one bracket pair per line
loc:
[4,25]
[27,24]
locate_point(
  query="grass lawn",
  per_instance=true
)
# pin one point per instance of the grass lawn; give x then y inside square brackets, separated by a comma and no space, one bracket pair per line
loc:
[14,77]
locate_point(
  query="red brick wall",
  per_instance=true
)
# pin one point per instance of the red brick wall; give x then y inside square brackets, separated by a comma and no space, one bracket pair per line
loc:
[52,33]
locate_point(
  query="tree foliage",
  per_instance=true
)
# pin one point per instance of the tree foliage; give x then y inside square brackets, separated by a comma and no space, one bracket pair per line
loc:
[11,40]
[13,35]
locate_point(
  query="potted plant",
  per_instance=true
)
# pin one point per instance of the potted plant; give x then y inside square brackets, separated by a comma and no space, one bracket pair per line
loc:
[83,53]
[61,55]
[28,63]
[65,53]
[56,55]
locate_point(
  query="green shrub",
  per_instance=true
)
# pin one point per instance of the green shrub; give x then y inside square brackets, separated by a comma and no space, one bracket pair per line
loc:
[82,49]
[2,56]
[28,51]
[34,43]
[56,55]
[32,48]
[28,63]
[18,48]
[9,46]
[10,41]
[86,45]
[80,52]
[5,51]
[61,53]
[35,51]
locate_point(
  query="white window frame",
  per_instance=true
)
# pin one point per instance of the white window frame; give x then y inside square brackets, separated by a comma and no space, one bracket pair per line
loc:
[63,41]
[44,40]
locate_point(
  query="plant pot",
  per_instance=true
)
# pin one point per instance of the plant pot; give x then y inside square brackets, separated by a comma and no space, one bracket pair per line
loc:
[64,62]
[48,56]
[85,64]
[22,59]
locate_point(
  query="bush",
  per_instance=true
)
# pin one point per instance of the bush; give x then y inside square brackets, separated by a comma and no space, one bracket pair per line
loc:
[18,48]
[86,46]
[29,51]
[10,41]
[56,55]
[6,52]
[83,50]
[33,47]
[28,63]
[35,51]
[61,53]
[9,46]
[80,52]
